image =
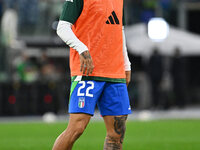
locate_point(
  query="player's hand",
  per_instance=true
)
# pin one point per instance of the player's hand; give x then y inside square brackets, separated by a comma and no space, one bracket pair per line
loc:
[86,63]
[128,77]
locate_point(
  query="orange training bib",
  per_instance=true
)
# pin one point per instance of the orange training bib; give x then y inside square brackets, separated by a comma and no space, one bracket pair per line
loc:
[99,27]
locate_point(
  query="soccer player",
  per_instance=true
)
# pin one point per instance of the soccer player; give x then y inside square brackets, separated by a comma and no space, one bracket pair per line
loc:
[100,69]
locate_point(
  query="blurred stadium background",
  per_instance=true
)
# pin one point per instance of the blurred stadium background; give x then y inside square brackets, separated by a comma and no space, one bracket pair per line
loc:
[34,68]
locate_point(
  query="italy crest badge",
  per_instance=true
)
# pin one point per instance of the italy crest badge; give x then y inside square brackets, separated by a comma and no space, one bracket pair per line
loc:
[81,102]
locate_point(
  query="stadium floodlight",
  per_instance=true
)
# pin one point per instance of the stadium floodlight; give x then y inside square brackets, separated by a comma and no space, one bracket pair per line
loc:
[158,29]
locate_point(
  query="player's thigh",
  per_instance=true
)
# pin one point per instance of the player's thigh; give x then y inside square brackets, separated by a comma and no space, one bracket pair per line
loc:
[115,125]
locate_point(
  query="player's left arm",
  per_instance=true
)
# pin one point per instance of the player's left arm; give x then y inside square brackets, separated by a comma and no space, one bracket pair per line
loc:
[127,63]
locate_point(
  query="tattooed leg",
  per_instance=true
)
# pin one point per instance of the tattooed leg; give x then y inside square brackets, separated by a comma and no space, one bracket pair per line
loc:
[120,126]
[116,126]
[112,143]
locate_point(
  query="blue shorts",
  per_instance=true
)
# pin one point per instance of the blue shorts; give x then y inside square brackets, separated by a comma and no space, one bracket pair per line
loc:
[112,98]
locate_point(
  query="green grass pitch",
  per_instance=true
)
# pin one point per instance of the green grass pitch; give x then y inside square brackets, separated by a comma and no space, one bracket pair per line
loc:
[150,135]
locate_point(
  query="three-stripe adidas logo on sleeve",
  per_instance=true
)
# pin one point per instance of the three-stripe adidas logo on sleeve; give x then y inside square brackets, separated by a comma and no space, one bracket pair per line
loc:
[112,19]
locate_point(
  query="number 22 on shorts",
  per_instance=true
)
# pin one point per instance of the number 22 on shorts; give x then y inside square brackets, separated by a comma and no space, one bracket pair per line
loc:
[87,90]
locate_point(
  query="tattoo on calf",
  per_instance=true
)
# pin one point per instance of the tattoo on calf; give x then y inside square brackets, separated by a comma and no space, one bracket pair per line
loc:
[120,126]
[111,144]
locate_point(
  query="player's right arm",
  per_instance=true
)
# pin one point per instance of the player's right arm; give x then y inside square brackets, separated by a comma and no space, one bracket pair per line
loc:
[71,12]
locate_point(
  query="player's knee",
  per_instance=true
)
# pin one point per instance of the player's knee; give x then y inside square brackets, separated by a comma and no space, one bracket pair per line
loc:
[113,139]
[113,135]
[78,131]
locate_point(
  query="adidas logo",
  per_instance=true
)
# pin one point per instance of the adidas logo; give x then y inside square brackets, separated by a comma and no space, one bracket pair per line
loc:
[112,19]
